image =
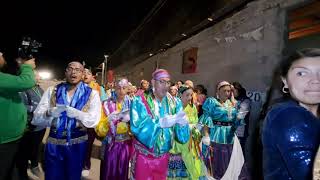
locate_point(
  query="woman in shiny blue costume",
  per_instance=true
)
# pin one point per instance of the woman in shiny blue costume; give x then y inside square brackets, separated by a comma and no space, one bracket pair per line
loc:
[221,117]
[291,131]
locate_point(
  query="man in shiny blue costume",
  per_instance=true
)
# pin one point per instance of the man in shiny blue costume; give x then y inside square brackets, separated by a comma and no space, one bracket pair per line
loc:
[68,108]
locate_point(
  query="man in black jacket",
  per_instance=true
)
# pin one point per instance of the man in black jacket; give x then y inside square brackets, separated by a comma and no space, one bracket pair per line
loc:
[31,141]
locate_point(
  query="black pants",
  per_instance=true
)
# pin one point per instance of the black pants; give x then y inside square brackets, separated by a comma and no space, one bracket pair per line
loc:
[29,149]
[91,137]
[8,155]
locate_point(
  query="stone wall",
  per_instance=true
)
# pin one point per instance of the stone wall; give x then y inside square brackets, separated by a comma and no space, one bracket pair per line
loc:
[245,47]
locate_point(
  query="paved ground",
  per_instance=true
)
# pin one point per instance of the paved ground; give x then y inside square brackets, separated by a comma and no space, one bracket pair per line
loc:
[94,172]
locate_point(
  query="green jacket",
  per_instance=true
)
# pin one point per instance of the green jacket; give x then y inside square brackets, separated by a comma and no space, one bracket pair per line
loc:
[13,114]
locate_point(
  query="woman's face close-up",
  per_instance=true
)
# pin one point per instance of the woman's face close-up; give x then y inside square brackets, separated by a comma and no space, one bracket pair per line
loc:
[303,80]
[186,96]
[224,93]
[121,91]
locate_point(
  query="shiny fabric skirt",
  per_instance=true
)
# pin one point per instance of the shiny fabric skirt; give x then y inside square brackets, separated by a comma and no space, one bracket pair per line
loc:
[115,164]
[145,165]
[64,162]
[217,159]
[176,167]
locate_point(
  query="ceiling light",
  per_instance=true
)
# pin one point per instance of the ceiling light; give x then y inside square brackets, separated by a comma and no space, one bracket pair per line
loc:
[210,19]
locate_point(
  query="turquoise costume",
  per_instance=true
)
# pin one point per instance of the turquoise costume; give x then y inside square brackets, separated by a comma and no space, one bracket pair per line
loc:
[146,127]
[221,119]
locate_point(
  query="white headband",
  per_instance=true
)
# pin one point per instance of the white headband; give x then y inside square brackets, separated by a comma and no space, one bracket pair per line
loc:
[123,83]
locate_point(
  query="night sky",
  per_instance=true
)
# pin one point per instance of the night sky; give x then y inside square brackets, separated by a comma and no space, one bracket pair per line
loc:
[70,30]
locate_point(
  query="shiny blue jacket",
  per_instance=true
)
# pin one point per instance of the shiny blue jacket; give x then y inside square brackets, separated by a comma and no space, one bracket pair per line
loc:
[290,137]
[146,128]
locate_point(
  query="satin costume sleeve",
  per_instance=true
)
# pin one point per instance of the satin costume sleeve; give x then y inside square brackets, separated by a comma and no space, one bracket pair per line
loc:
[102,127]
[91,118]
[147,130]
[182,133]
[244,108]
[39,115]
[206,119]
[243,112]
[290,140]
[103,95]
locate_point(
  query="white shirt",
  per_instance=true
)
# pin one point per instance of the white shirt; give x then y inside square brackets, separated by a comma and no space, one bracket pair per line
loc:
[89,119]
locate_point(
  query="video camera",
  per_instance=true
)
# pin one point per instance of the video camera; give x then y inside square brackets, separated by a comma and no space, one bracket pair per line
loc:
[28,48]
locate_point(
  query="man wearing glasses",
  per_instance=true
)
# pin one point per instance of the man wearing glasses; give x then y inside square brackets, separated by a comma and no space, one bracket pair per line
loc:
[68,108]
[155,119]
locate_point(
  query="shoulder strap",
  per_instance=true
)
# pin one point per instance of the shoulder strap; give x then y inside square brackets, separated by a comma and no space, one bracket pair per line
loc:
[144,101]
[172,104]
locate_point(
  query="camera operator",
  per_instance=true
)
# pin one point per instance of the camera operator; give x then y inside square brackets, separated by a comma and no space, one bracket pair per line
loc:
[13,114]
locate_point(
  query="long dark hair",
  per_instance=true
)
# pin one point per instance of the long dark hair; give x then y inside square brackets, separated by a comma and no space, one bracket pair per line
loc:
[287,62]
[201,88]
[280,71]
[241,90]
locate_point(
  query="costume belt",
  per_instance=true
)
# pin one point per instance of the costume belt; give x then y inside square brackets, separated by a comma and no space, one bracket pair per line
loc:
[76,137]
[141,149]
[122,137]
[220,123]
[56,141]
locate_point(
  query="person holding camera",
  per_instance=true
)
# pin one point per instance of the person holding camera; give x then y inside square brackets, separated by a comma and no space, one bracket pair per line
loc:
[13,114]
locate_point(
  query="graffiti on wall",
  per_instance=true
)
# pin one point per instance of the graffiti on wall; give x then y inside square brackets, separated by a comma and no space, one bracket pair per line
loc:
[256,96]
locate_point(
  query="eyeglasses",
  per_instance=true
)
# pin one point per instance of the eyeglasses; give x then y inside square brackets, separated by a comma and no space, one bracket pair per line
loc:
[163,82]
[77,70]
